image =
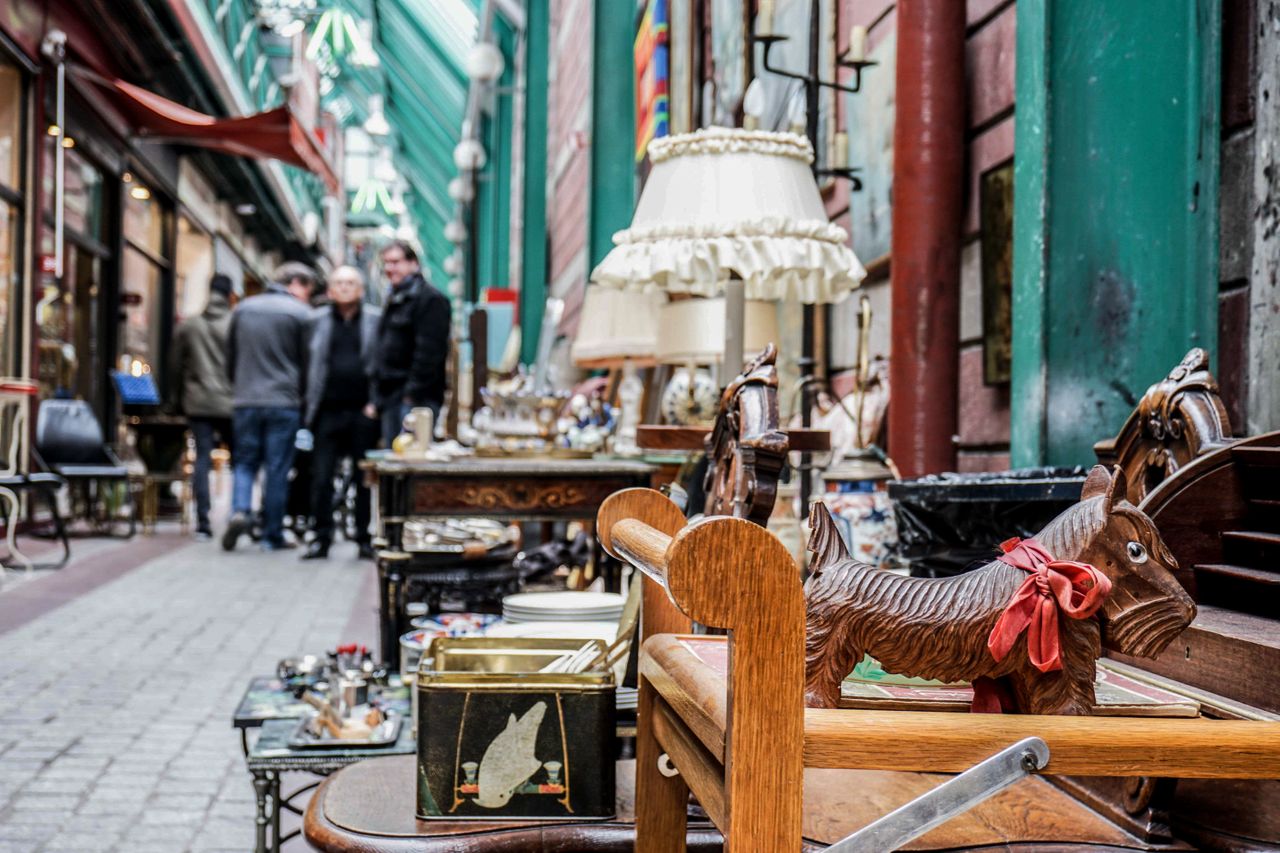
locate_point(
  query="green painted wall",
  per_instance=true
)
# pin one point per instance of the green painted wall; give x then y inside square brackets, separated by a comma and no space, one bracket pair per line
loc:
[1116,217]
[613,124]
[533,284]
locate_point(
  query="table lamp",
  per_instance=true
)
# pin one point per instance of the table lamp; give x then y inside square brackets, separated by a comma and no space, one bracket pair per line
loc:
[733,213]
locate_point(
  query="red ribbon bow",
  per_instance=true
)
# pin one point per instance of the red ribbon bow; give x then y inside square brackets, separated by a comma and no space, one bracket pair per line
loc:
[1077,589]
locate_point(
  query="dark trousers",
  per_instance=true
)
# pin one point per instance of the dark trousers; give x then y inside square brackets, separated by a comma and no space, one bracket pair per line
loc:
[392,415]
[339,433]
[264,438]
[207,433]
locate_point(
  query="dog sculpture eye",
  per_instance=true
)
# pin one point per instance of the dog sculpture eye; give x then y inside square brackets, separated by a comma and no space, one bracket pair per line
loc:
[1137,553]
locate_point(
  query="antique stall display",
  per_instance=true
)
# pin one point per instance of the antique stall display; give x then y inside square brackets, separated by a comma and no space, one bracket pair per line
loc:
[413,498]
[728,712]
[515,728]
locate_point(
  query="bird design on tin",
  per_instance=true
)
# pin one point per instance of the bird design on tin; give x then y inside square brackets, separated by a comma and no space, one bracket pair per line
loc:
[508,761]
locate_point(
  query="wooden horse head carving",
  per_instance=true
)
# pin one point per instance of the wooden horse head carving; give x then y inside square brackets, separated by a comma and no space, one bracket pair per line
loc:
[939,628]
[746,449]
[1178,418]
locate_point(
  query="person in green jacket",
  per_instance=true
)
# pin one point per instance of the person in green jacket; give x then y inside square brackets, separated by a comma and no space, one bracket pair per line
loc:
[200,388]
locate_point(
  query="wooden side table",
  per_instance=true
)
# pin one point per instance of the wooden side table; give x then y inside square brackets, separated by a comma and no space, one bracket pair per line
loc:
[369,808]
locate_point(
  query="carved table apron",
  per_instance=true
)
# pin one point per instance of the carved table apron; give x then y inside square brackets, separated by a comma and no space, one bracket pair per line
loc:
[518,489]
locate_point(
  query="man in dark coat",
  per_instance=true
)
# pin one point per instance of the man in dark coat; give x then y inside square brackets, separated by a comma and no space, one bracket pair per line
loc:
[267,364]
[413,341]
[344,336]
[200,388]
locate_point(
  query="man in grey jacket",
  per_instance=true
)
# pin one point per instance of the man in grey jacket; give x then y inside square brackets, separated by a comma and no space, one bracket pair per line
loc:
[344,338]
[267,363]
[200,388]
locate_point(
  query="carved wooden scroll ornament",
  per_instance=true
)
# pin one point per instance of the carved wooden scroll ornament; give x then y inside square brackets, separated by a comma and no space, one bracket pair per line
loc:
[947,628]
[1179,418]
[746,449]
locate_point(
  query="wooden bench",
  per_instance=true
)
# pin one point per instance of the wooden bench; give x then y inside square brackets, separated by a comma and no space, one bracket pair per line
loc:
[739,736]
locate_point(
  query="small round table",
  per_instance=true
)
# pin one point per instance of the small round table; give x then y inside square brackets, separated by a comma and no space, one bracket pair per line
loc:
[369,808]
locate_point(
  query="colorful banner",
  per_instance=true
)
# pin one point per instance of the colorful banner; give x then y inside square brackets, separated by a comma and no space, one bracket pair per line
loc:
[653,104]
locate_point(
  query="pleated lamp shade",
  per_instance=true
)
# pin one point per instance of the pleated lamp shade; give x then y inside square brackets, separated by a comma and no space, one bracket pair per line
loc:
[617,326]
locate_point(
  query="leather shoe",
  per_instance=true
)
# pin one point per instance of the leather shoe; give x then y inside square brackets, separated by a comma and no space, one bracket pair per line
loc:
[316,551]
[366,551]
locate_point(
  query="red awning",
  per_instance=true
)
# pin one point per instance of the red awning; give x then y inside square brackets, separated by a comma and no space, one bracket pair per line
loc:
[272,135]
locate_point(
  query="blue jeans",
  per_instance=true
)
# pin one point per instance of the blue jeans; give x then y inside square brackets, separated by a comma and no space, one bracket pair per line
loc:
[264,437]
[206,432]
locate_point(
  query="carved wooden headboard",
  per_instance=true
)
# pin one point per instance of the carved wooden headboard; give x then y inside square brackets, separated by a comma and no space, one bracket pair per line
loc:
[1179,418]
[746,449]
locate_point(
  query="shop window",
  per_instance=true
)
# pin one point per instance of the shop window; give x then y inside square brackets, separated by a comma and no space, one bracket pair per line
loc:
[12,100]
[143,217]
[11,85]
[193,267]
[66,317]
[141,311]
[82,205]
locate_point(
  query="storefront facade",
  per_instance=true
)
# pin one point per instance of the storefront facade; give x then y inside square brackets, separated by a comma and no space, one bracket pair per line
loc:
[143,225]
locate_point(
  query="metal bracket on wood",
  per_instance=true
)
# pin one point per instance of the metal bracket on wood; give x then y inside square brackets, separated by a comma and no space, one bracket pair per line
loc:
[953,797]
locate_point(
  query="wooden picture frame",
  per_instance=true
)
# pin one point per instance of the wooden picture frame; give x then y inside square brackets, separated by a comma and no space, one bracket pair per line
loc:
[995,208]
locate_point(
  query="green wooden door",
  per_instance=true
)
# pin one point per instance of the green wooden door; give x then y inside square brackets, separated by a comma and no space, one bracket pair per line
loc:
[1116,211]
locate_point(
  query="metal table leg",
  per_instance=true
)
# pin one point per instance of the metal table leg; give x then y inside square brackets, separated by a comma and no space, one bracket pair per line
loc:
[261,792]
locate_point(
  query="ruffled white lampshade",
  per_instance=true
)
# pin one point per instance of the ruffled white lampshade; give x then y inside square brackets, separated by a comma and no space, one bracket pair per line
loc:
[616,326]
[721,202]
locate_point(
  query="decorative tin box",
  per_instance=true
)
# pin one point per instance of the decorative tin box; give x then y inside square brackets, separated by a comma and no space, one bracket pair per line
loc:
[499,739]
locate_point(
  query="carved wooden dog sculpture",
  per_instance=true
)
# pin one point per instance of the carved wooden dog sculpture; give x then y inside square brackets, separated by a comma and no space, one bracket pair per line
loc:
[939,628]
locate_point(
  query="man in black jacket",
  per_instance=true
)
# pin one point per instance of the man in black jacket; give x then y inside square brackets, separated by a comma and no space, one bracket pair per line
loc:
[413,341]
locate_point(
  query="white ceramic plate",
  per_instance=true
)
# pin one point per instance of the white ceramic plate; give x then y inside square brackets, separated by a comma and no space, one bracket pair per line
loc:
[565,601]
[557,630]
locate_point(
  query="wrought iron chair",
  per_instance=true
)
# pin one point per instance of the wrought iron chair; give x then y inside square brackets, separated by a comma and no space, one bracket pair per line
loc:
[70,443]
[15,397]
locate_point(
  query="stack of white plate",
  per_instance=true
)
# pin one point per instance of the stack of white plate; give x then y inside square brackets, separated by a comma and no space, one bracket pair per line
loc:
[563,607]
[627,699]
[606,631]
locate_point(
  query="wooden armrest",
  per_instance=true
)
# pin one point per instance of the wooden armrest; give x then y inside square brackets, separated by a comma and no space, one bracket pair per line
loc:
[1086,746]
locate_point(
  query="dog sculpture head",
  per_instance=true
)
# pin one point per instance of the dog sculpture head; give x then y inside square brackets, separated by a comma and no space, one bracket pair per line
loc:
[1147,607]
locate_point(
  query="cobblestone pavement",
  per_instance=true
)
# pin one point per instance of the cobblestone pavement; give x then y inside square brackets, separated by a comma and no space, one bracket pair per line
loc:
[115,721]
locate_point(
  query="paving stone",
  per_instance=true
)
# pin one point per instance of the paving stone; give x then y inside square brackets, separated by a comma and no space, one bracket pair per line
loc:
[96,842]
[129,746]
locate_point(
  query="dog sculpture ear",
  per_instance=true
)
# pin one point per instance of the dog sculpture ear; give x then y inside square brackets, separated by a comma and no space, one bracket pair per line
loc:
[1118,490]
[1097,483]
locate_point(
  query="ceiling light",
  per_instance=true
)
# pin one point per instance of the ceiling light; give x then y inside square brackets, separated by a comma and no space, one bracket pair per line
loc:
[246,209]
[141,193]
[68,142]
[455,232]
[376,123]
[461,189]
[53,130]
[469,155]
[127,177]
[485,62]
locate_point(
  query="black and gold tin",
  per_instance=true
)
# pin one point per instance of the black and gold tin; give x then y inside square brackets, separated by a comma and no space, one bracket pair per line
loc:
[499,739]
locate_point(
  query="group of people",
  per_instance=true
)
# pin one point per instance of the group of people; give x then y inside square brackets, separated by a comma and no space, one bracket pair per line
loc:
[273,371]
